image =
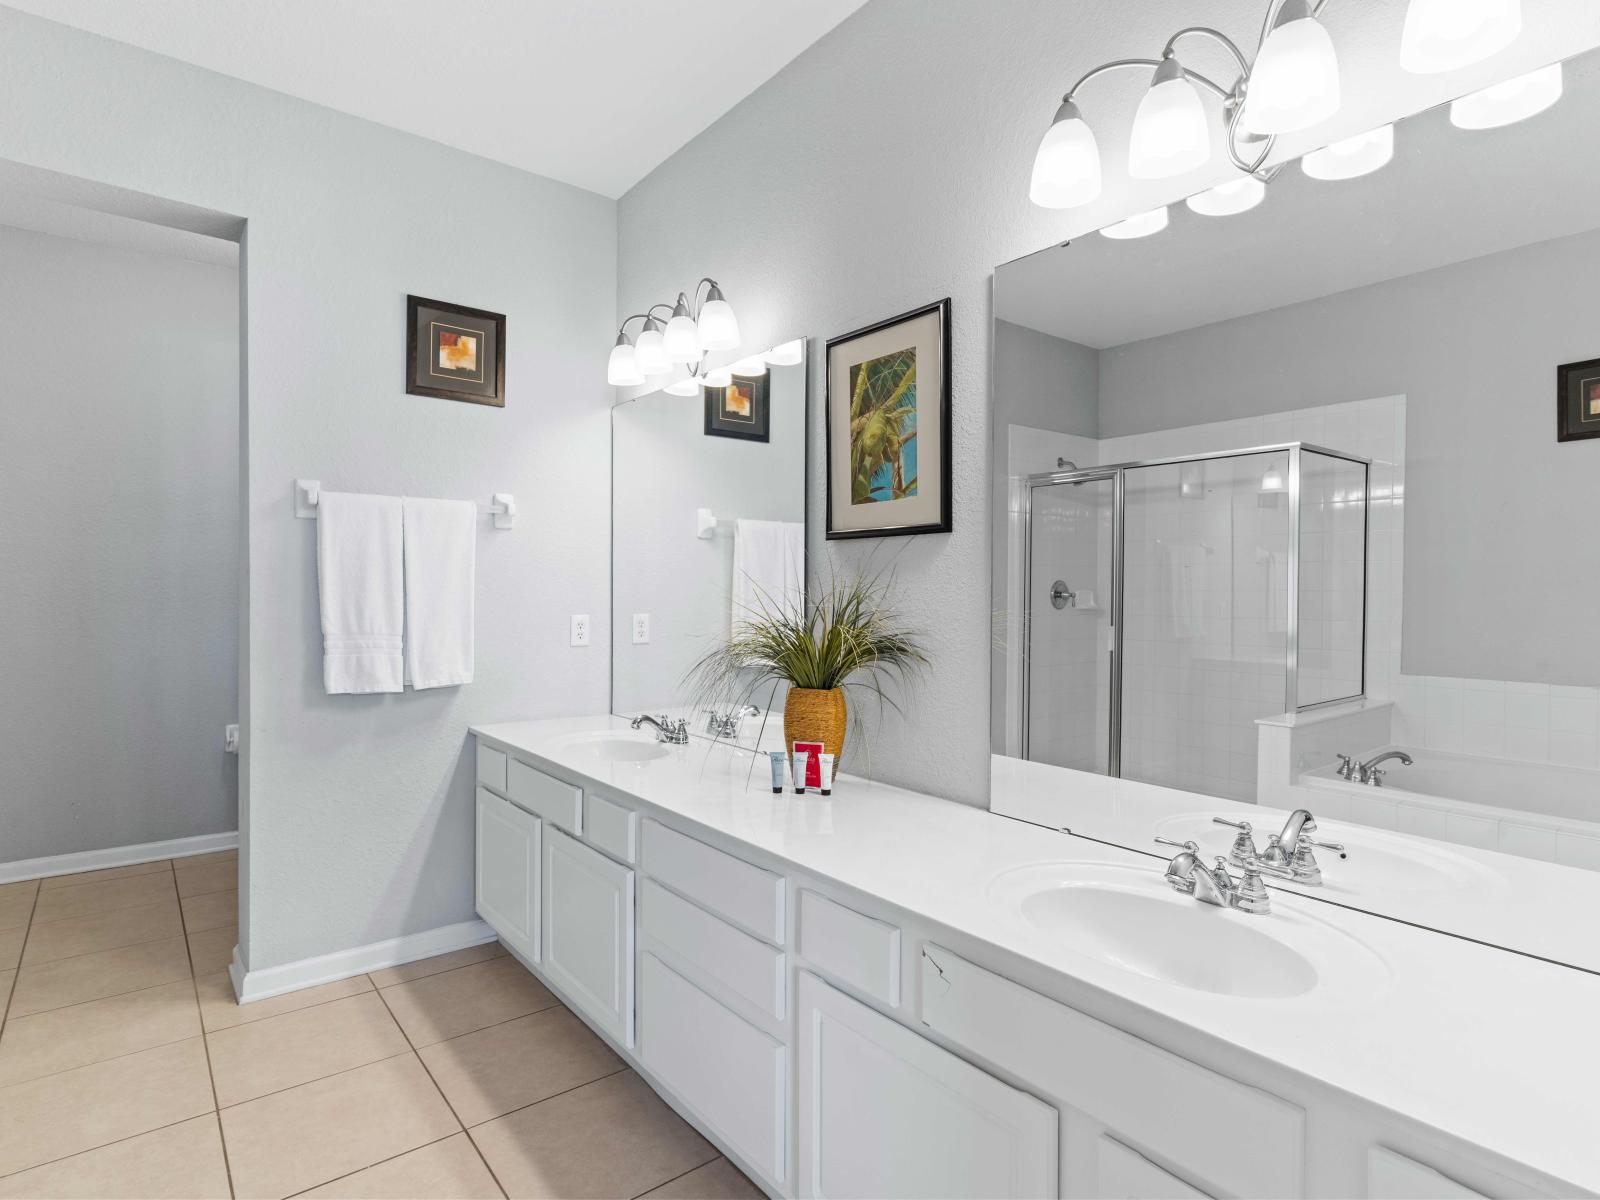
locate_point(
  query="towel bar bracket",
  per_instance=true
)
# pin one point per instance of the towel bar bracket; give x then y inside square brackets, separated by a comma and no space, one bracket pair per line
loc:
[502,506]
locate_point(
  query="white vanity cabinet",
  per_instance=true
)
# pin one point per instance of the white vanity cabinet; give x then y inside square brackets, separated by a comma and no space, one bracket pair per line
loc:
[885,1112]
[508,862]
[588,932]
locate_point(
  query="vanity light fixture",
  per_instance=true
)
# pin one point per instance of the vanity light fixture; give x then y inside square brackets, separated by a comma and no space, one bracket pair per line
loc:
[1446,35]
[1508,102]
[1139,225]
[1230,198]
[1352,157]
[693,327]
[1292,84]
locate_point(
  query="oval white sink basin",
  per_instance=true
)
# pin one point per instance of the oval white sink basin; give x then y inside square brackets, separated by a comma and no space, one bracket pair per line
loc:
[1377,860]
[617,747]
[1128,917]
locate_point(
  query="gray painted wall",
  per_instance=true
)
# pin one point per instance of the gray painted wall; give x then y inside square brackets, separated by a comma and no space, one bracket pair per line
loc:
[119,546]
[357,810]
[1498,564]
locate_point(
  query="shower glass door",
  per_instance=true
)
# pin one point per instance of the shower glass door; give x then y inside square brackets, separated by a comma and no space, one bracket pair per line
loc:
[1205,618]
[1068,665]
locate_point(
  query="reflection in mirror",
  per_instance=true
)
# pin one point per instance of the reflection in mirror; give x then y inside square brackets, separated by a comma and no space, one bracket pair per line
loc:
[708,513]
[1282,518]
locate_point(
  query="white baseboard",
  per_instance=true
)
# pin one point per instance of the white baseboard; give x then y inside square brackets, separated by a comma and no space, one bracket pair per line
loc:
[116,856]
[325,968]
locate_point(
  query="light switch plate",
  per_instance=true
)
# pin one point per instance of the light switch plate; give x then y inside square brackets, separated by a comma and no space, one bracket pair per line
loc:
[641,628]
[580,629]
[230,739]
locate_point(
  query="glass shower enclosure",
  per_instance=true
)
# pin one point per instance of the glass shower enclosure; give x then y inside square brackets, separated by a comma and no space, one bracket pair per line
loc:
[1169,604]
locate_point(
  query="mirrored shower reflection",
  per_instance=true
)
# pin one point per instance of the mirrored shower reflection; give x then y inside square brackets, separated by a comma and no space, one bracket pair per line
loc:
[1170,605]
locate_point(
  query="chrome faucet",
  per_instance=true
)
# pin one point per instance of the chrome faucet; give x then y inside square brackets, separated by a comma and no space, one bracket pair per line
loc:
[1299,864]
[1214,885]
[1368,772]
[727,724]
[668,731]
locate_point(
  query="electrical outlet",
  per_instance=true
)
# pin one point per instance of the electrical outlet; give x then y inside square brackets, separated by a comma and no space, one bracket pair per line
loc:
[580,629]
[641,628]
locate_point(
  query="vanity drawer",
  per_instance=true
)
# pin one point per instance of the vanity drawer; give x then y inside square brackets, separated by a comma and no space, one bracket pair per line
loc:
[554,799]
[492,767]
[1234,1139]
[745,965]
[729,1072]
[746,895]
[611,828]
[857,950]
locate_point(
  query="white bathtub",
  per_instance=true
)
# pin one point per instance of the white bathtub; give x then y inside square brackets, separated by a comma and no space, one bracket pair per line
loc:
[1537,810]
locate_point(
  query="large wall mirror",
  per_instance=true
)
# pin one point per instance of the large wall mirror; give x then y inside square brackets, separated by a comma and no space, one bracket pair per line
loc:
[1287,485]
[708,521]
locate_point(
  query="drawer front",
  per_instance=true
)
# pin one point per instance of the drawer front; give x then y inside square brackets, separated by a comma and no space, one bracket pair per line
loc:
[588,932]
[492,767]
[746,895]
[1392,1176]
[726,1069]
[611,828]
[554,799]
[508,872]
[1121,1174]
[1234,1138]
[745,965]
[857,950]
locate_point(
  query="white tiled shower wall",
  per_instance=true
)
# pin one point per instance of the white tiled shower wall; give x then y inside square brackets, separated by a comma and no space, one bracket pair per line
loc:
[1528,722]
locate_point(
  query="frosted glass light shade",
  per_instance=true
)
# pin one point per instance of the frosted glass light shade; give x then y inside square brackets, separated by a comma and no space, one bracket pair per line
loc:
[719,328]
[1142,225]
[1170,135]
[622,368]
[648,353]
[1066,169]
[789,354]
[718,377]
[754,365]
[1229,199]
[1360,155]
[1506,103]
[681,342]
[1295,81]
[687,386]
[1446,35]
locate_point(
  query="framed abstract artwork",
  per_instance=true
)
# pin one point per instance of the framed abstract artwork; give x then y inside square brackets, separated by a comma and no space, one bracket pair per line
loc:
[454,352]
[1578,400]
[888,427]
[740,410]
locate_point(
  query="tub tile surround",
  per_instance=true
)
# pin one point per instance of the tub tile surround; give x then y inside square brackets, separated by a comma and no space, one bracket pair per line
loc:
[901,851]
[458,1075]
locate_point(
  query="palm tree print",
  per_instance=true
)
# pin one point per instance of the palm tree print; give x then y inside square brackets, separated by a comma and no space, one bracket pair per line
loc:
[883,428]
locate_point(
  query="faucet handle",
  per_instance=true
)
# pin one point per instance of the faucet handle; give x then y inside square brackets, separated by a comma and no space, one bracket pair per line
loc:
[1189,846]
[1244,825]
[1244,845]
[1336,847]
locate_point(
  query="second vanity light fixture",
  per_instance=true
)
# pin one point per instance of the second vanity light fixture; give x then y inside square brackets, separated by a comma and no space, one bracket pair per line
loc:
[692,329]
[1291,85]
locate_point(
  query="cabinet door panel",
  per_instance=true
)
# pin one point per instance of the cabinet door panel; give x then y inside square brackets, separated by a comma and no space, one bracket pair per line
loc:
[588,932]
[508,872]
[885,1112]
[1122,1174]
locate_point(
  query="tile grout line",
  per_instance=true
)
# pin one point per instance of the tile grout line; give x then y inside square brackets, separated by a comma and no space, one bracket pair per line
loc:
[481,1028]
[675,1178]
[205,1044]
[382,999]
[379,1163]
[318,1079]
[111,910]
[67,887]
[11,991]
[97,999]
[104,1145]
[99,1061]
[552,1096]
[431,974]
[286,1012]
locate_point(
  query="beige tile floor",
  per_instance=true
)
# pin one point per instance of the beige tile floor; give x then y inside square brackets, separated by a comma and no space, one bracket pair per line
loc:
[127,1070]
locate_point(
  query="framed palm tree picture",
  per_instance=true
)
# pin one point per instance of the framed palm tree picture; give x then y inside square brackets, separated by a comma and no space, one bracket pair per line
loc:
[888,427]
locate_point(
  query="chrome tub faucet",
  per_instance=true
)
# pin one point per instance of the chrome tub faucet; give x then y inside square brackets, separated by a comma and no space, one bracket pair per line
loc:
[1368,772]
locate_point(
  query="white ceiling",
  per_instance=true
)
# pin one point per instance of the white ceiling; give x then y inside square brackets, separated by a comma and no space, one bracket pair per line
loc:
[591,92]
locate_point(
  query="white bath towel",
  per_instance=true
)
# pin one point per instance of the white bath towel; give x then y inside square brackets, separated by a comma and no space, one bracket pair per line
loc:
[441,543]
[769,568]
[359,584]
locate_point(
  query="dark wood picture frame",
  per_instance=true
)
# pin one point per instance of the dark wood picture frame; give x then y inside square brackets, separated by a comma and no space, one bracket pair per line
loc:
[471,318]
[759,428]
[1571,423]
[944,523]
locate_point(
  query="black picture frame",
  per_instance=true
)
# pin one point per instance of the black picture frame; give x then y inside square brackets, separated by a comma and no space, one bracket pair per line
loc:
[485,383]
[758,427]
[943,523]
[1578,400]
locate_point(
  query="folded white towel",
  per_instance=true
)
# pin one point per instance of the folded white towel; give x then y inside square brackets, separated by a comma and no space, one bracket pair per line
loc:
[441,544]
[360,591]
[769,568]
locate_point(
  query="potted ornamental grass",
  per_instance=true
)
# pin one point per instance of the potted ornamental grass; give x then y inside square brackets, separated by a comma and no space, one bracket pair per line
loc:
[848,639]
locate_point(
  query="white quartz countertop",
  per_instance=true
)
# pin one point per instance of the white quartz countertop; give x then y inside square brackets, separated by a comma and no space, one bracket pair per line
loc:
[1481,1044]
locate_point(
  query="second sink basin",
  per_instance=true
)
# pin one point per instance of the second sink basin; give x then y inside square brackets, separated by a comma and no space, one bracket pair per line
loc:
[1128,917]
[617,747]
